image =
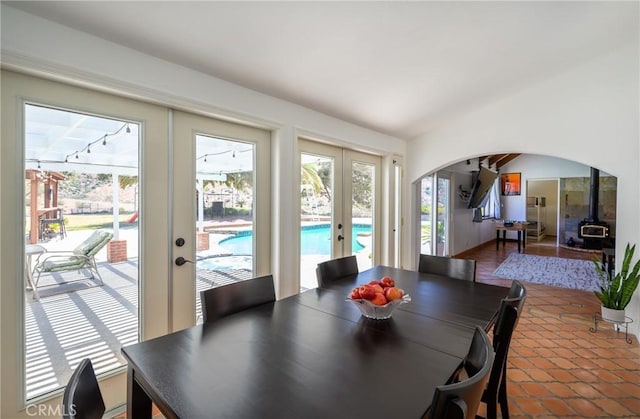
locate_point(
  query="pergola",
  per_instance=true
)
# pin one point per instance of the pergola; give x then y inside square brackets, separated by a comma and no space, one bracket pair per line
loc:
[50,199]
[59,141]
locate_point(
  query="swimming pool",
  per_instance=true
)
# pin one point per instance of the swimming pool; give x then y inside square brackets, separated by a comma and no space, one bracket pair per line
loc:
[314,240]
[225,263]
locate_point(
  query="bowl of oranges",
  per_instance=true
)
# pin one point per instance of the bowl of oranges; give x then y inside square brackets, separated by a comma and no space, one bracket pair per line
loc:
[378,299]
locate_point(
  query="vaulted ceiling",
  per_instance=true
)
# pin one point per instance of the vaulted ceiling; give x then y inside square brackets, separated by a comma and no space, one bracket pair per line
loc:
[496,161]
[399,68]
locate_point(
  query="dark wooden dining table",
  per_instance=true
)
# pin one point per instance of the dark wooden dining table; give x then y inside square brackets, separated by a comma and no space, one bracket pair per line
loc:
[313,355]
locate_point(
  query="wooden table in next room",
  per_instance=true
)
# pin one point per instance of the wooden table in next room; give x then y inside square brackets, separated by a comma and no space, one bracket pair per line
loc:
[520,228]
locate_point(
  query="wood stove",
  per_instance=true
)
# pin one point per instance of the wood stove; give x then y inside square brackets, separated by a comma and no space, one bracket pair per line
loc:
[592,231]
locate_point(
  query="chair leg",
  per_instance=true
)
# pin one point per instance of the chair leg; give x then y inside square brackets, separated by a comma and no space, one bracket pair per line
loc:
[94,268]
[492,409]
[502,396]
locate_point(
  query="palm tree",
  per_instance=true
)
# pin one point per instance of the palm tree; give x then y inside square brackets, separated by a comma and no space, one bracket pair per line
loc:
[239,181]
[311,177]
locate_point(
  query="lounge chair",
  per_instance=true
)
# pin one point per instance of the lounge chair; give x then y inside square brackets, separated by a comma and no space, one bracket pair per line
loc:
[82,257]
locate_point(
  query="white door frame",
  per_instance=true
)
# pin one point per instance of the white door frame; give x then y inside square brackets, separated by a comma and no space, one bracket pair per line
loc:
[18,89]
[185,127]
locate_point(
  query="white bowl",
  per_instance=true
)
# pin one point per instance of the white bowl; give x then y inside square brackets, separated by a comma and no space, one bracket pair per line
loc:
[373,311]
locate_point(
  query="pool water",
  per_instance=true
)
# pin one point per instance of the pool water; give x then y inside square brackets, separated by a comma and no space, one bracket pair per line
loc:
[223,263]
[314,240]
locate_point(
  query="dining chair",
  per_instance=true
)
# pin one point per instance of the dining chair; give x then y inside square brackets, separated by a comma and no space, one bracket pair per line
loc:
[508,315]
[82,398]
[334,269]
[464,269]
[228,299]
[460,398]
[517,293]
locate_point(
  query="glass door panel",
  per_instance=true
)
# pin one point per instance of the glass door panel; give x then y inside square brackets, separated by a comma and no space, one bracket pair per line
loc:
[332,226]
[220,209]
[434,215]
[225,175]
[81,296]
[317,224]
[426,214]
[442,218]
[364,198]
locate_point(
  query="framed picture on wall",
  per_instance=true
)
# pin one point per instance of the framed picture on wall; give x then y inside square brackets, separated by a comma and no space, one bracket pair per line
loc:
[510,184]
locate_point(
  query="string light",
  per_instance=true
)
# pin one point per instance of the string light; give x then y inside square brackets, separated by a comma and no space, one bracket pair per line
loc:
[102,139]
[233,154]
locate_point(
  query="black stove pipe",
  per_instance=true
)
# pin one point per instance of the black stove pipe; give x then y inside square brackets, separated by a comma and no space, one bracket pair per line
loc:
[594,187]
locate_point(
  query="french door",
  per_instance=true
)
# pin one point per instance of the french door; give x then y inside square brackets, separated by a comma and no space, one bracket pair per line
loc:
[339,207]
[67,154]
[434,215]
[221,209]
[192,178]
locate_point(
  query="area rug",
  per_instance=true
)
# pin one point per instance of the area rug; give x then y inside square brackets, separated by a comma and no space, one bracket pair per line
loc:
[559,272]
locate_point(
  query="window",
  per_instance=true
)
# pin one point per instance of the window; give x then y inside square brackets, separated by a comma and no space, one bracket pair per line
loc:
[491,208]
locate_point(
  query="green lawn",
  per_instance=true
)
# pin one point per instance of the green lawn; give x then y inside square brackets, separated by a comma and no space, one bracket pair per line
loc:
[91,221]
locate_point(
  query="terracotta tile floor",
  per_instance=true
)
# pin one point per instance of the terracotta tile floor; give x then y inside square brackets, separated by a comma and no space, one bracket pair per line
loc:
[556,367]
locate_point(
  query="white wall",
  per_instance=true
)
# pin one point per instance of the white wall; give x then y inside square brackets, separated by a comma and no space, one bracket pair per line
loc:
[42,47]
[589,114]
[466,234]
[536,167]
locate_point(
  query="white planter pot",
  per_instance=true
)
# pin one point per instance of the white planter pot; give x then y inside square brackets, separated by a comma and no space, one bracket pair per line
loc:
[613,316]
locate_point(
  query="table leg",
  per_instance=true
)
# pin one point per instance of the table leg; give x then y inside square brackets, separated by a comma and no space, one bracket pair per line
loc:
[138,401]
[519,236]
[497,239]
[524,240]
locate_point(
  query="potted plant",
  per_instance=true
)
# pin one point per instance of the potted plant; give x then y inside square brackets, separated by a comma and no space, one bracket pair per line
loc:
[616,291]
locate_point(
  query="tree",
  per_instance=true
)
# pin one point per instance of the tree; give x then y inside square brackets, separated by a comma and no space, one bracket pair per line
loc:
[362,185]
[239,181]
[126,181]
[309,176]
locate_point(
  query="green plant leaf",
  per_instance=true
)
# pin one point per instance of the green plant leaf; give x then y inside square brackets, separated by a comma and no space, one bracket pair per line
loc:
[616,292]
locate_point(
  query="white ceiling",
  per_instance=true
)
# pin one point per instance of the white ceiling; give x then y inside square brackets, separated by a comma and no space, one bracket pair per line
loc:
[396,67]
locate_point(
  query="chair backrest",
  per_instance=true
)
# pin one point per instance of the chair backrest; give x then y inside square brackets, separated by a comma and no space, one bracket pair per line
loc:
[93,244]
[503,330]
[460,400]
[517,292]
[334,269]
[515,297]
[82,398]
[464,269]
[228,299]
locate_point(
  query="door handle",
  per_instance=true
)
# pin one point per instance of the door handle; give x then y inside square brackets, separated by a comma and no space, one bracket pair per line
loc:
[340,237]
[181,261]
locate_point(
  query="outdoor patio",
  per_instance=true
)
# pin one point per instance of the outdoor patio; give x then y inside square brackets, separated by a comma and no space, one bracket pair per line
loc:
[83,319]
